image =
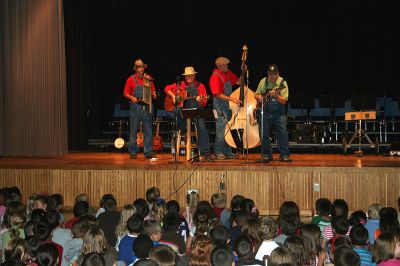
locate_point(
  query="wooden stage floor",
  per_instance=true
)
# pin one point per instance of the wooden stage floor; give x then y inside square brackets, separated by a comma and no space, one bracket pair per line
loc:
[360,180]
[115,160]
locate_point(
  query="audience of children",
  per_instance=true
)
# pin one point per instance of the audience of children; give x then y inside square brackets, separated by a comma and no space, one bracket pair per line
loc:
[152,232]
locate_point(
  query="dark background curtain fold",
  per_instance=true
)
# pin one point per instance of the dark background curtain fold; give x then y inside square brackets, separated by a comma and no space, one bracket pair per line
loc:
[33,87]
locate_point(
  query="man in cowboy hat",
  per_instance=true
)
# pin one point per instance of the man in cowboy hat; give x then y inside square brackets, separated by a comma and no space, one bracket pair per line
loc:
[275,91]
[221,82]
[139,113]
[198,99]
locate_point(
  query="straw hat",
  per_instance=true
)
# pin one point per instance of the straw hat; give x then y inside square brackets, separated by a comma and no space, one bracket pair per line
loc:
[139,62]
[189,71]
[222,61]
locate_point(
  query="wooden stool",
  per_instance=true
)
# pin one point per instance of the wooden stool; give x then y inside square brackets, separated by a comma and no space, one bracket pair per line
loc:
[188,140]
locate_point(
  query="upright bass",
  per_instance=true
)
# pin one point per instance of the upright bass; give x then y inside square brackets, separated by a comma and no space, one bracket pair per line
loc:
[241,131]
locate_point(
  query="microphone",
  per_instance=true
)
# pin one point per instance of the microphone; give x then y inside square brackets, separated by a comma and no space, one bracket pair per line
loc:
[178,80]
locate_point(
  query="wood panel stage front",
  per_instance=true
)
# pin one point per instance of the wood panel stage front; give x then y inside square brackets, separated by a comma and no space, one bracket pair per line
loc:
[361,181]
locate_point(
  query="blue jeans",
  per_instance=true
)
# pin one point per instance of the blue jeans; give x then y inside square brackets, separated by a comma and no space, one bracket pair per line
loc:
[278,122]
[137,115]
[203,141]
[221,147]
[181,123]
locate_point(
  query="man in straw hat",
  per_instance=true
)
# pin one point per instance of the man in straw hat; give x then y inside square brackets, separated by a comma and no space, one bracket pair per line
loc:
[221,82]
[197,90]
[139,113]
[276,92]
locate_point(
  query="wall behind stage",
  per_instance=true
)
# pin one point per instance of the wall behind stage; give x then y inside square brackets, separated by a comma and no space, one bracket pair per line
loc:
[321,48]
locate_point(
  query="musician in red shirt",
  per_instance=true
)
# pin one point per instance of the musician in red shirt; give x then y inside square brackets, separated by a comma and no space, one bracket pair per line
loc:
[221,82]
[140,112]
[196,97]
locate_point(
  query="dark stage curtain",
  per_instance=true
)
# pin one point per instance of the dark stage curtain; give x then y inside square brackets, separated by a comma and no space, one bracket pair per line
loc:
[33,103]
[321,47]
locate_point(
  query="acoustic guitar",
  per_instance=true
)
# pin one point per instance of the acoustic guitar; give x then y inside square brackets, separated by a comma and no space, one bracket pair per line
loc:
[267,95]
[140,136]
[180,97]
[157,140]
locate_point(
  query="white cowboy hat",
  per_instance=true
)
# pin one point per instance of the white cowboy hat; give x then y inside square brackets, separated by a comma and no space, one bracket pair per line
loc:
[189,71]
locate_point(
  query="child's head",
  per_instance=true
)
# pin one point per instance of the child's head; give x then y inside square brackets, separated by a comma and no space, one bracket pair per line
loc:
[135,224]
[47,254]
[243,247]
[357,218]
[81,208]
[82,197]
[297,248]
[235,202]
[384,247]
[142,246]
[346,257]
[201,219]
[152,195]
[152,229]
[252,228]
[340,208]
[289,218]
[388,222]
[15,249]
[221,256]
[173,206]
[40,203]
[53,219]
[142,208]
[163,255]
[312,236]
[249,206]
[359,235]
[373,211]
[104,198]
[110,204]
[340,225]
[94,241]
[93,259]
[126,213]
[42,231]
[218,200]
[336,242]
[192,199]
[58,201]
[220,235]
[238,218]
[323,206]
[201,250]
[171,222]
[269,227]
[281,256]
[159,209]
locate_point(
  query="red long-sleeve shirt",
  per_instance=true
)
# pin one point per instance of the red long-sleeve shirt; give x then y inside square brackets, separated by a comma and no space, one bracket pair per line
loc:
[217,85]
[130,84]
[201,89]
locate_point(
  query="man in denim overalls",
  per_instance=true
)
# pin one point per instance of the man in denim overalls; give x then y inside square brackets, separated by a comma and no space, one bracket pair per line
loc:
[221,82]
[139,113]
[276,92]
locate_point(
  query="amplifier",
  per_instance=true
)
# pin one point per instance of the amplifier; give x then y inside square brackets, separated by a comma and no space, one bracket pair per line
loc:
[366,115]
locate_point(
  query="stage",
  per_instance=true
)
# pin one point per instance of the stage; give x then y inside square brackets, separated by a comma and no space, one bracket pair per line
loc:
[359,180]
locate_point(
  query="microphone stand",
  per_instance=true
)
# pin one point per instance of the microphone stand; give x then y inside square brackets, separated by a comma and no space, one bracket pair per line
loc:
[175,134]
[247,118]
